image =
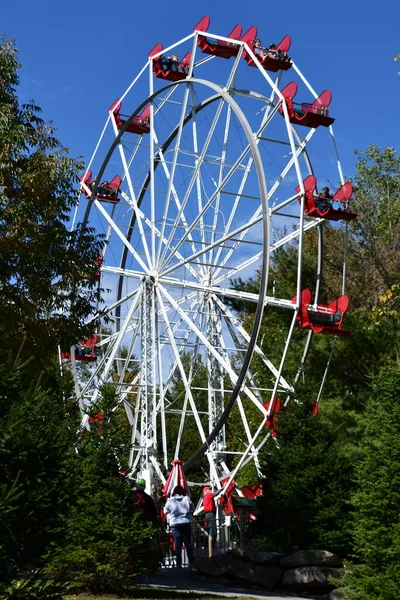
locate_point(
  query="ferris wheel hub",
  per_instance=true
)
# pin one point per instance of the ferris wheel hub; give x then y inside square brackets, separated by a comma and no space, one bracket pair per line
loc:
[151,277]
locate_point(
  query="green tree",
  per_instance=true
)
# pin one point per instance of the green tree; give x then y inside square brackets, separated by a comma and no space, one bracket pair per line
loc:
[48,288]
[377,498]
[305,502]
[101,547]
[47,272]
[37,429]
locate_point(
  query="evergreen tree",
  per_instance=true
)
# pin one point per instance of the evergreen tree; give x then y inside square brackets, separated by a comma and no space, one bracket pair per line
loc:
[305,502]
[37,428]
[377,498]
[101,547]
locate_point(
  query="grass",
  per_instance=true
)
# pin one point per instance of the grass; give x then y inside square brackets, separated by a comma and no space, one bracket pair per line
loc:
[144,593]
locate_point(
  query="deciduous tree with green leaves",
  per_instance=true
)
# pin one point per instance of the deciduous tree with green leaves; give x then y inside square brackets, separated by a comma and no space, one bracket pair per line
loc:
[48,273]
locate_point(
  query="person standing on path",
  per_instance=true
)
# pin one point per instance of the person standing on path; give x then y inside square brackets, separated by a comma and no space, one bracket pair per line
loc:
[141,503]
[179,510]
[209,512]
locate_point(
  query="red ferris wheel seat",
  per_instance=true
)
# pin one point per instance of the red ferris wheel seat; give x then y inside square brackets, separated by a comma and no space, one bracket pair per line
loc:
[106,192]
[139,124]
[322,318]
[169,74]
[217,47]
[272,421]
[313,209]
[267,62]
[84,351]
[310,115]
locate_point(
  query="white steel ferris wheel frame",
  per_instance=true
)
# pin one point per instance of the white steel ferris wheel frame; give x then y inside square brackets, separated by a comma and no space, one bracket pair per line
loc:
[153,299]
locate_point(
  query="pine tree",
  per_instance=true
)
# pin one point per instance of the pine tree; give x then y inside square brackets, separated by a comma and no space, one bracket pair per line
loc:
[306,490]
[36,430]
[377,499]
[101,547]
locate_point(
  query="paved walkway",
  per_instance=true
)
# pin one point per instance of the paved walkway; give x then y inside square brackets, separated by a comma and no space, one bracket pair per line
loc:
[181,580]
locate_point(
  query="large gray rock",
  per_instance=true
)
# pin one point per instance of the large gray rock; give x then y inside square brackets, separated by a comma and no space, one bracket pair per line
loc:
[217,565]
[257,557]
[314,558]
[266,575]
[311,577]
[228,566]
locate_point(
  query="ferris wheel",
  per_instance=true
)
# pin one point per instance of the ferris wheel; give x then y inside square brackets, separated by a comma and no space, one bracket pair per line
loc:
[209,173]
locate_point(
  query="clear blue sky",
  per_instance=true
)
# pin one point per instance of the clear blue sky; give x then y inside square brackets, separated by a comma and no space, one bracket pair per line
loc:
[79,56]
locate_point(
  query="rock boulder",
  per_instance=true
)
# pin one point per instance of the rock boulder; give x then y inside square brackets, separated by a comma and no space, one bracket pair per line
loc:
[312,558]
[311,578]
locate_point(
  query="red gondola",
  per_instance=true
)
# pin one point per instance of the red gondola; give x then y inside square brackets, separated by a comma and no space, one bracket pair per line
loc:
[169,74]
[268,63]
[85,350]
[139,124]
[312,209]
[217,47]
[310,115]
[104,194]
[272,421]
[96,421]
[322,318]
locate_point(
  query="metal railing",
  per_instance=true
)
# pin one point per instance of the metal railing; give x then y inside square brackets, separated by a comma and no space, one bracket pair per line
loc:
[229,533]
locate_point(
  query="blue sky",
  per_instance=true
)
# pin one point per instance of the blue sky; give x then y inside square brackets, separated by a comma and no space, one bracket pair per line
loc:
[79,56]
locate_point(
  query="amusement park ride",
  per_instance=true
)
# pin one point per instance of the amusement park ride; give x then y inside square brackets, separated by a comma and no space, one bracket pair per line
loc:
[214,175]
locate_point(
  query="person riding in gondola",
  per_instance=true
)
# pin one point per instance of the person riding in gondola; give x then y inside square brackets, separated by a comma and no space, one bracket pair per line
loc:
[104,188]
[172,63]
[259,50]
[323,200]
[277,53]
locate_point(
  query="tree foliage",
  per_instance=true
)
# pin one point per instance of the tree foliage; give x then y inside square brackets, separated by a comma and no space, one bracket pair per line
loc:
[100,546]
[36,430]
[307,485]
[48,284]
[376,500]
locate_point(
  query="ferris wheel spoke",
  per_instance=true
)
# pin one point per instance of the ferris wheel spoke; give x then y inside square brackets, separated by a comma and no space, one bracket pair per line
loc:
[266,120]
[233,320]
[196,354]
[220,178]
[239,400]
[257,213]
[184,341]
[254,259]
[215,244]
[165,216]
[196,153]
[209,203]
[170,174]
[132,201]
[183,374]
[193,179]
[209,347]
[122,237]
